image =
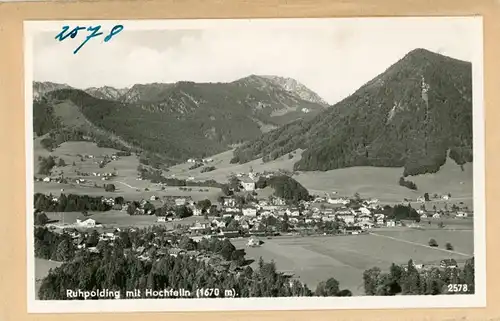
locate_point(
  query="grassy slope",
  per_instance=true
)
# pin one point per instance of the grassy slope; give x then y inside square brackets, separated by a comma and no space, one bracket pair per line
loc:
[379,182]
[126,181]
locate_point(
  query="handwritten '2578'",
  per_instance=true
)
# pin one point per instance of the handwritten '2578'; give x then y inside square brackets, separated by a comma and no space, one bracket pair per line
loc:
[93,32]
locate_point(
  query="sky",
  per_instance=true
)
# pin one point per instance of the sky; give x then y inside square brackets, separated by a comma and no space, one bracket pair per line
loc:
[333,57]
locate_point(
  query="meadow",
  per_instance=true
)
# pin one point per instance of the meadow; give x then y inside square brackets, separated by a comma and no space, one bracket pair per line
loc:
[121,219]
[369,182]
[126,182]
[313,259]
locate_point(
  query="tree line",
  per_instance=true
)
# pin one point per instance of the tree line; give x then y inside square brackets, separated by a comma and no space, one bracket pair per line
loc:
[408,280]
[116,268]
[69,203]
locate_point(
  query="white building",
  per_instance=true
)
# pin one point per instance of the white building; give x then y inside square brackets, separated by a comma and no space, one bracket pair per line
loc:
[338,201]
[87,223]
[365,211]
[180,201]
[249,211]
[161,219]
[391,223]
[248,185]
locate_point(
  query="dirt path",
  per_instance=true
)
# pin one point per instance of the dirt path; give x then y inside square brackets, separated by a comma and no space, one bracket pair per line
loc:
[129,186]
[420,244]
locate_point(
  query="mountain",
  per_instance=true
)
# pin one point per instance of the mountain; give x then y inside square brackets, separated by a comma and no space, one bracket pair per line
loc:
[41,88]
[173,121]
[413,115]
[106,92]
[296,88]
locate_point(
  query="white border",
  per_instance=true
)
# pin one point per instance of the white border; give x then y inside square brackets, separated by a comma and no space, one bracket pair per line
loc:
[310,303]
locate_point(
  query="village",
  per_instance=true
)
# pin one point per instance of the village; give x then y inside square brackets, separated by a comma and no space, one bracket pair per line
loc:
[243,215]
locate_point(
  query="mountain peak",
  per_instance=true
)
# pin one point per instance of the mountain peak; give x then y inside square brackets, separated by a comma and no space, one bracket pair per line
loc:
[290,85]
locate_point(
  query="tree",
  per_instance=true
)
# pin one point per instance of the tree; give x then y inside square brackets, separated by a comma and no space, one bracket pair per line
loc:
[227,249]
[411,280]
[332,287]
[183,211]
[93,239]
[187,243]
[426,197]
[61,162]
[371,280]
[433,243]
[131,208]
[40,218]
[119,200]
[440,224]
[109,187]
[149,208]
[204,204]
[449,247]
[64,251]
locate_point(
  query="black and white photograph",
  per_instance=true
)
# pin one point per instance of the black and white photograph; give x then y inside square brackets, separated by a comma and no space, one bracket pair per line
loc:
[254,164]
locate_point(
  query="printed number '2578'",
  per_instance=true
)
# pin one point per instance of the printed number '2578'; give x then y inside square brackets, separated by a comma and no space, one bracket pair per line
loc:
[457,288]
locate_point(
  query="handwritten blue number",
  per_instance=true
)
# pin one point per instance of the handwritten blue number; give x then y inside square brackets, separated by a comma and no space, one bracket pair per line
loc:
[116,29]
[95,33]
[72,34]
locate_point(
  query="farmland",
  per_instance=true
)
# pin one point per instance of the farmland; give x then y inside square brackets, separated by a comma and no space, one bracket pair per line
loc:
[121,219]
[314,259]
[376,182]
[126,182]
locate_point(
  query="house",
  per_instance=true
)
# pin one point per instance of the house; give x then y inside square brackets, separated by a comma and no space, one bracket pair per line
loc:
[364,225]
[448,263]
[338,201]
[230,233]
[46,179]
[229,201]
[198,227]
[180,201]
[176,252]
[364,218]
[87,223]
[247,184]
[391,223]
[293,212]
[191,160]
[218,223]
[161,219]
[249,211]
[420,199]
[253,242]
[461,214]
[347,218]
[437,215]
[352,230]
[153,198]
[197,211]
[365,211]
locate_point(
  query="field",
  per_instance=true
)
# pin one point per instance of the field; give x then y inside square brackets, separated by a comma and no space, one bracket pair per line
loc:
[376,182]
[42,268]
[126,182]
[120,219]
[382,183]
[315,259]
